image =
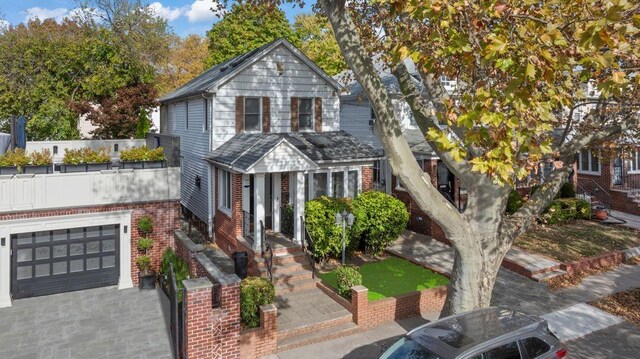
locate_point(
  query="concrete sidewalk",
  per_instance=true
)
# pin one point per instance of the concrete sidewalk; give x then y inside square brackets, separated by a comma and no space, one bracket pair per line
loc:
[632,220]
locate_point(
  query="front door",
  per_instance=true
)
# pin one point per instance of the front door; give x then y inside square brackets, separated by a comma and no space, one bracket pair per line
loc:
[446,180]
[617,172]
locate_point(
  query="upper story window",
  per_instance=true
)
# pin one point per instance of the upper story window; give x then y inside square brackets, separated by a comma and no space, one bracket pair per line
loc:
[252,115]
[634,162]
[305,114]
[588,162]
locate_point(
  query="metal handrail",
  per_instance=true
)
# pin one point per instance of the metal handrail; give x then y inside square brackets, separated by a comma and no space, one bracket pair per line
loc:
[305,247]
[599,189]
[267,251]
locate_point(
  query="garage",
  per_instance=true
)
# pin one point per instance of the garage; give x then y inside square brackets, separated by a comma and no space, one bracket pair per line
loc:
[63,260]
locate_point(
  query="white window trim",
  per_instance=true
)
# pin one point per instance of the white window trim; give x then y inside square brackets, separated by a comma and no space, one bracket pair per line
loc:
[313,115]
[206,112]
[220,191]
[636,160]
[244,120]
[588,172]
[345,180]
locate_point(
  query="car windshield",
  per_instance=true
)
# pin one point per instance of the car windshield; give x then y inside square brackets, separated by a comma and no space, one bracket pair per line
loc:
[407,348]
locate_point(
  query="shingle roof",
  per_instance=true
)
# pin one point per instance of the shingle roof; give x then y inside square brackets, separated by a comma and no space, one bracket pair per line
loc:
[215,74]
[418,143]
[245,149]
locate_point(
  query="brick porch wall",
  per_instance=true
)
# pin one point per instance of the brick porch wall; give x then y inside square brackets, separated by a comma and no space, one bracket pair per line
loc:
[369,314]
[165,217]
[259,342]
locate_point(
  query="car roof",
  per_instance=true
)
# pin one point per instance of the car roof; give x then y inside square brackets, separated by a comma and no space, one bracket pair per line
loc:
[451,336]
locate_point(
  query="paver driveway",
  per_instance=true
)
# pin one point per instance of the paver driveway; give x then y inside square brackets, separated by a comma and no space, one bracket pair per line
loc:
[95,323]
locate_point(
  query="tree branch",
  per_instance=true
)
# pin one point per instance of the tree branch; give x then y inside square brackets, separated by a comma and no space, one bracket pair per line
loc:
[387,126]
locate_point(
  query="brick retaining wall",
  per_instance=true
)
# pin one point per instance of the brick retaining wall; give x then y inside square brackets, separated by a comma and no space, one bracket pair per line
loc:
[259,342]
[602,261]
[368,314]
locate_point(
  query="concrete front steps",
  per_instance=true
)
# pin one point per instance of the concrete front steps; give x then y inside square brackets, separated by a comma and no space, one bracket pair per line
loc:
[291,270]
[310,316]
[534,266]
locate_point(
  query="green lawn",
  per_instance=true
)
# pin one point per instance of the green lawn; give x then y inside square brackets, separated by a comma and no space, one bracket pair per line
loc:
[392,276]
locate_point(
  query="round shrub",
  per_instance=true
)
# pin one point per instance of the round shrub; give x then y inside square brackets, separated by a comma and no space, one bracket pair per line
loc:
[567,190]
[380,218]
[514,202]
[254,292]
[145,225]
[320,219]
[347,277]
[145,244]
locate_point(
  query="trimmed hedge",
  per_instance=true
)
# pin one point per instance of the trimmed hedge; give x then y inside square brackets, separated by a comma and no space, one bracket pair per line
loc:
[380,218]
[347,277]
[254,292]
[320,219]
[565,210]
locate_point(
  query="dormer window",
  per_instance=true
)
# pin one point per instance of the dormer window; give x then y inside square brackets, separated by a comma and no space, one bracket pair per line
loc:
[305,114]
[252,120]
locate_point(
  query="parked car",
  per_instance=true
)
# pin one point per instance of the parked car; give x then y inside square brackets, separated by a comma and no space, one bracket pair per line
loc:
[490,333]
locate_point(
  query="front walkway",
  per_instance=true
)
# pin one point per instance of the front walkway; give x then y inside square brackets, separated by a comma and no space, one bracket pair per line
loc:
[95,323]
[632,220]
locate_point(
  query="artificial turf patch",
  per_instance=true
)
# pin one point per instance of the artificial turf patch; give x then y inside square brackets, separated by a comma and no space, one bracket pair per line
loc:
[391,277]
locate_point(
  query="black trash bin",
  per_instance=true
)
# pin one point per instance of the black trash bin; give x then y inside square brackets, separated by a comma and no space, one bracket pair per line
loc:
[241,260]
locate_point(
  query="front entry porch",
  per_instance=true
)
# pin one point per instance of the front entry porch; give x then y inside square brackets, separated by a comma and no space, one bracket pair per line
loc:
[267,209]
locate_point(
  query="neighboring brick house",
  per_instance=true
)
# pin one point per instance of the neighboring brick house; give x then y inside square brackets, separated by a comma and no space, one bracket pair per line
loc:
[614,182]
[357,117]
[62,232]
[258,132]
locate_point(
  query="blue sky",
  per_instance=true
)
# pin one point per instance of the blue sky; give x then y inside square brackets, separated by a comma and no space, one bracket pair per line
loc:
[185,16]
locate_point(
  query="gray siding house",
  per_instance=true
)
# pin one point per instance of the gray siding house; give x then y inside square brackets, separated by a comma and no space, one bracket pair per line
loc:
[258,133]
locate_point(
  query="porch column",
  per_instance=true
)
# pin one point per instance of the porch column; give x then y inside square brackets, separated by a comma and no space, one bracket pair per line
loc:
[276,194]
[258,203]
[299,208]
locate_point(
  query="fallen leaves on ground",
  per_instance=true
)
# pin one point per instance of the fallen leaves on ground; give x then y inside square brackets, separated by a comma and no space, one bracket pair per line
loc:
[624,304]
[578,239]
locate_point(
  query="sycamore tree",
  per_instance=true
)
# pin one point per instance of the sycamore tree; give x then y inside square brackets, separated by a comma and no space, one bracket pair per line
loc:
[522,68]
[184,62]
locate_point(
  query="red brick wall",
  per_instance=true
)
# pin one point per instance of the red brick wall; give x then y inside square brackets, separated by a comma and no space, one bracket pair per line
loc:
[367,178]
[418,219]
[259,342]
[228,228]
[228,315]
[165,217]
[603,261]
[201,325]
[368,314]
[183,252]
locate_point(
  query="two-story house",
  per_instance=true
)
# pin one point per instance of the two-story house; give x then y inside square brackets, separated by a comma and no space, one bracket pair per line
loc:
[258,133]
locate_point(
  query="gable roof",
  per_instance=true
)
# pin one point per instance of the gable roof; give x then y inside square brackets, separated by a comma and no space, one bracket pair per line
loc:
[221,73]
[244,150]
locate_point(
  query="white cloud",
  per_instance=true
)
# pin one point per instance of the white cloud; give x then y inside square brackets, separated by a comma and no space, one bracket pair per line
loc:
[168,12]
[41,13]
[4,25]
[200,10]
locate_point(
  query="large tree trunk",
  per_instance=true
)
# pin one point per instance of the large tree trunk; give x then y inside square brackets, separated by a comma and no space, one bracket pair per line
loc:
[474,273]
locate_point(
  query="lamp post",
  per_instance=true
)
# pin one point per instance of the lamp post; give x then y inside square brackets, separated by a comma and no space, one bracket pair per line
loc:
[345,218]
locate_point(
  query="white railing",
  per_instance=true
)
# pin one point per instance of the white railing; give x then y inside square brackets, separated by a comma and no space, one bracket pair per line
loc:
[64,190]
[57,147]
